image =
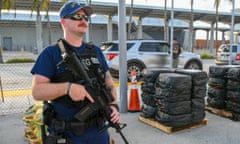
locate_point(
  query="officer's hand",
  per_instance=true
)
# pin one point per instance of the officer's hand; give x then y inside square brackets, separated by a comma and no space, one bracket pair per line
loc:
[78,92]
[115,116]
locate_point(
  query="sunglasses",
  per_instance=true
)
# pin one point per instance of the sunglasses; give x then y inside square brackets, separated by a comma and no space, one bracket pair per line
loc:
[78,17]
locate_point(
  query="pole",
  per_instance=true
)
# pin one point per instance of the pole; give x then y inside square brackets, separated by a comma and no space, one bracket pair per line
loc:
[232,32]
[1,90]
[122,56]
[171,38]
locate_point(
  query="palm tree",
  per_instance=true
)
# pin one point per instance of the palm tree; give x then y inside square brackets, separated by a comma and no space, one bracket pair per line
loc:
[216,5]
[130,20]
[89,33]
[6,4]
[232,29]
[191,40]
[166,31]
[37,6]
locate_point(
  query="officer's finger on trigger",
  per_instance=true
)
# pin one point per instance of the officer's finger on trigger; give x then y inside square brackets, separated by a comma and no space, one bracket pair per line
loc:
[90,98]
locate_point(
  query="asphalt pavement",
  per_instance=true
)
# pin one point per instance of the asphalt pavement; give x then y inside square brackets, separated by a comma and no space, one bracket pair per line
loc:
[219,130]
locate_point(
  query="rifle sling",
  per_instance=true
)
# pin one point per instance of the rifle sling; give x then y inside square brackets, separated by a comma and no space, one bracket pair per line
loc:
[61,46]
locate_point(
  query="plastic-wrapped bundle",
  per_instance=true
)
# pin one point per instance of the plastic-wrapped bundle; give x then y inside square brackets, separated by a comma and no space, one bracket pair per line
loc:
[148,87]
[215,102]
[233,106]
[148,111]
[198,104]
[174,81]
[233,85]
[198,110]
[176,108]
[199,91]
[216,93]
[198,116]
[216,97]
[151,76]
[174,120]
[218,71]
[198,77]
[233,96]
[148,99]
[217,82]
[234,73]
[173,95]
[148,92]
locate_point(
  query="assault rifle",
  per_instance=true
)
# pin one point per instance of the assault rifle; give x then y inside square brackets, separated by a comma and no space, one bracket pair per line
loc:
[96,88]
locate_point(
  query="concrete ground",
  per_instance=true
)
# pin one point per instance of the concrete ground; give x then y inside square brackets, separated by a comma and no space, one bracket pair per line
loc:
[219,130]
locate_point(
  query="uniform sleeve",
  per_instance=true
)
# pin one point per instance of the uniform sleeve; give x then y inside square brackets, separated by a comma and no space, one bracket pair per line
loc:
[46,63]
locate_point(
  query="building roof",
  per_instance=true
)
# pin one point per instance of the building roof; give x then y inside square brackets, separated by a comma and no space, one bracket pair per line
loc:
[141,11]
[138,11]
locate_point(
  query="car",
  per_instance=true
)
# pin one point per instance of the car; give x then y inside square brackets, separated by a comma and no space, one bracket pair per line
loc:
[147,55]
[223,53]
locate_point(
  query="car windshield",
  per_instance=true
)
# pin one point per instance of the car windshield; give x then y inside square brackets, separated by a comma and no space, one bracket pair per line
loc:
[226,48]
[114,46]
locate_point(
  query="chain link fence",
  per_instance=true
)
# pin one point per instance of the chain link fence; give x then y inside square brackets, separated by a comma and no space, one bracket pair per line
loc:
[18,41]
[15,83]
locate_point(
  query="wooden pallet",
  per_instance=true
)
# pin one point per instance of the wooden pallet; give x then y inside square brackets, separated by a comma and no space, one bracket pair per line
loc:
[223,113]
[168,129]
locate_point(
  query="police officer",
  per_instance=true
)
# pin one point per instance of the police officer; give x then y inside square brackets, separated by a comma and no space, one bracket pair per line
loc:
[58,85]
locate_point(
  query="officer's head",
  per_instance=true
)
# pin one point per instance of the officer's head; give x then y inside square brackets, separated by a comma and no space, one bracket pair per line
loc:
[69,9]
[74,18]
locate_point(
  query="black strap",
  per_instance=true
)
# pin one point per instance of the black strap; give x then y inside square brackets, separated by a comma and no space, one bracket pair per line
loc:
[89,47]
[60,125]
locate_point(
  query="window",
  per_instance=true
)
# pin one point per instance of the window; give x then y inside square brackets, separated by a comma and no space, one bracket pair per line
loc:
[114,46]
[226,48]
[154,47]
[234,48]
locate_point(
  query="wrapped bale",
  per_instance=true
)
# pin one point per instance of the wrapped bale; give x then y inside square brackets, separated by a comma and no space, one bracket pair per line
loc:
[174,121]
[216,97]
[198,110]
[173,91]
[148,111]
[218,71]
[199,78]
[199,92]
[177,108]
[148,91]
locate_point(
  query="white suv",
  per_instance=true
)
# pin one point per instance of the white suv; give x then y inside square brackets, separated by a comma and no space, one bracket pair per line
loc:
[147,54]
[223,53]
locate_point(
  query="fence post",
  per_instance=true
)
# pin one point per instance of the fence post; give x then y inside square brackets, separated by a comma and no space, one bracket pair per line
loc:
[1,89]
[1,56]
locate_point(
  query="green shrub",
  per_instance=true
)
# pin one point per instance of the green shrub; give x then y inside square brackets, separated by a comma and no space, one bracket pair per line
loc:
[207,56]
[20,60]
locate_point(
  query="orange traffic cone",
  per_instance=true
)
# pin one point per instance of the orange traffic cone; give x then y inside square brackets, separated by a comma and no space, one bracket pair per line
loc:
[134,103]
